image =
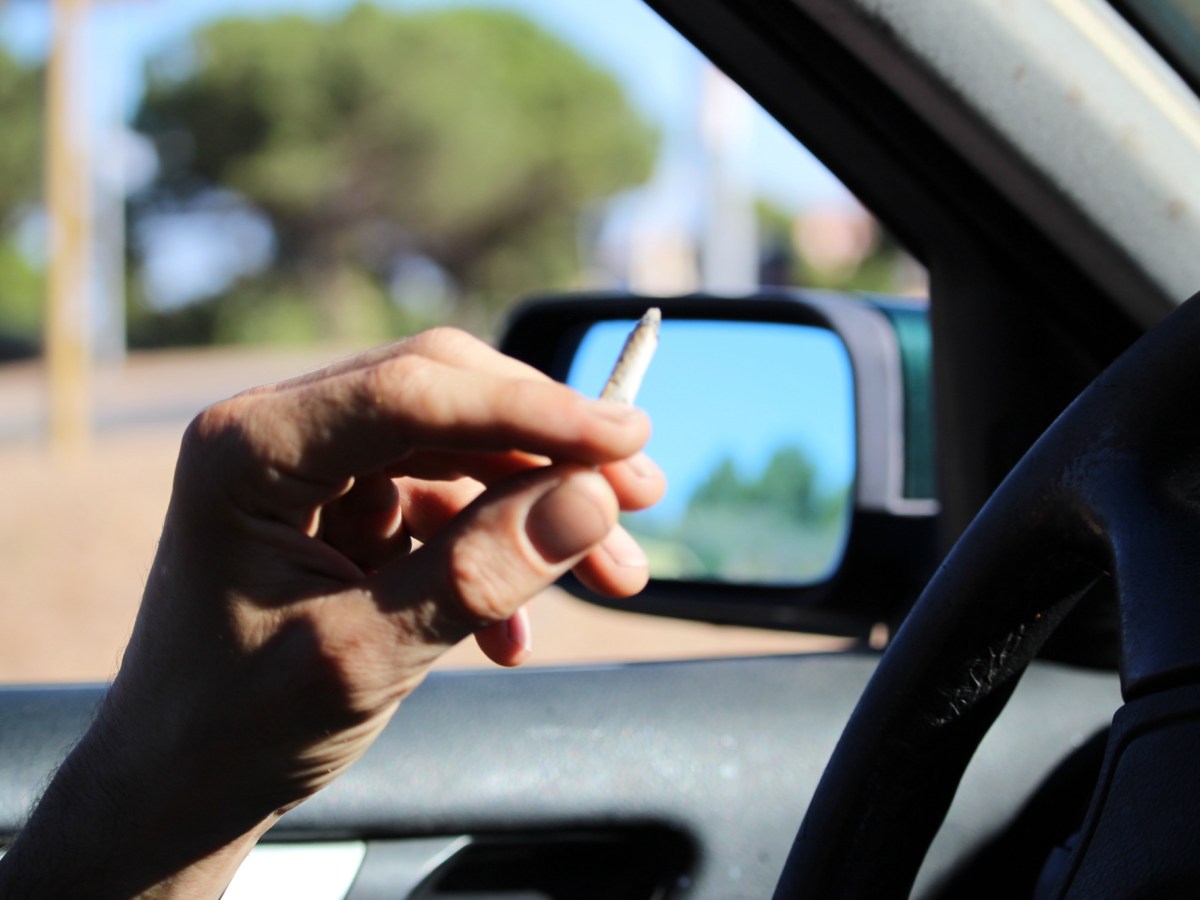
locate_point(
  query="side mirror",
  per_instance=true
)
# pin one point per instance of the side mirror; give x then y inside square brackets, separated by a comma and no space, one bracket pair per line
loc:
[754,424]
[786,424]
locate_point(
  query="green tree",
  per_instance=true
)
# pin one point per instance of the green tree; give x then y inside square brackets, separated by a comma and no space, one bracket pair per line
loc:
[20,138]
[778,526]
[722,487]
[20,190]
[468,137]
[786,489]
[788,484]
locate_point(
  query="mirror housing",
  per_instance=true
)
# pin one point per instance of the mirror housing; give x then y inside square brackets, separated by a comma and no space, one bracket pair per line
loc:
[890,546]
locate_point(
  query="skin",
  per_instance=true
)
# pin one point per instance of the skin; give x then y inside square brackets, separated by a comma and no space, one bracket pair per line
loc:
[327,539]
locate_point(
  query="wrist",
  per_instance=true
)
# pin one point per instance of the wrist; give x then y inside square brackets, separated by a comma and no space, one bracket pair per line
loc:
[118,822]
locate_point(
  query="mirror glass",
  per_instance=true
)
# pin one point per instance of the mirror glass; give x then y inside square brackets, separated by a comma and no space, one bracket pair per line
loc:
[754,427]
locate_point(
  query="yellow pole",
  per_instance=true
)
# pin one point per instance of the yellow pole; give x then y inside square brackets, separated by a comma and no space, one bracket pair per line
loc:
[68,194]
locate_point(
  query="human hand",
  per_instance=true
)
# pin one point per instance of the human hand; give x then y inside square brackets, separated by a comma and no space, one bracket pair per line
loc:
[287,612]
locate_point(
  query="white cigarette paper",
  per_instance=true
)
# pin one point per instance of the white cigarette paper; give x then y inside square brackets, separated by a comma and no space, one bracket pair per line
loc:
[627,374]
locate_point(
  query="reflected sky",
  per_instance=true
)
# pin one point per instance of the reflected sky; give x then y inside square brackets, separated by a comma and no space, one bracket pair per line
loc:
[738,390]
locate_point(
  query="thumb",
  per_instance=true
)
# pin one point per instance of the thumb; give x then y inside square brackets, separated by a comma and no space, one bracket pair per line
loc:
[513,541]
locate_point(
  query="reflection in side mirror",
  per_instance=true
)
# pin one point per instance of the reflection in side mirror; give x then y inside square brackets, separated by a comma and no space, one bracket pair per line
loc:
[754,427]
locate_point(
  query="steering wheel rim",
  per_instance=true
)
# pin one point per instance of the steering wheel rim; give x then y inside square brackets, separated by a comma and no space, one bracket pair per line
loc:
[1107,500]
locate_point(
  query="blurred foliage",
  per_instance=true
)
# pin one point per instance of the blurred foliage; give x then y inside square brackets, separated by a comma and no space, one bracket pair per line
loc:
[22,289]
[779,527]
[272,309]
[20,137]
[21,282]
[747,546]
[467,137]
[787,486]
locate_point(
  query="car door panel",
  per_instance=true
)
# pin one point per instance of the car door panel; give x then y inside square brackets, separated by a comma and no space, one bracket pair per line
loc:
[690,776]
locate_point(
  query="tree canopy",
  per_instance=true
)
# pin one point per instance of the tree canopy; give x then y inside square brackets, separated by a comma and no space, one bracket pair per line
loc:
[20,137]
[466,137]
[787,486]
[20,191]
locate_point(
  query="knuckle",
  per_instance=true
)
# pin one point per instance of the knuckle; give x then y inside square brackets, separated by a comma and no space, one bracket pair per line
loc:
[410,389]
[211,424]
[374,383]
[443,341]
[235,450]
[404,368]
[217,432]
[480,590]
[410,374]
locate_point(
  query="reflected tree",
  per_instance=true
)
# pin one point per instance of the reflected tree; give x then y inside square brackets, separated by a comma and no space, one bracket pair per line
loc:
[787,486]
[780,526]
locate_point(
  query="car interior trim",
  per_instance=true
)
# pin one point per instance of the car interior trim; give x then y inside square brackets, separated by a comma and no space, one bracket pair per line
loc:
[308,871]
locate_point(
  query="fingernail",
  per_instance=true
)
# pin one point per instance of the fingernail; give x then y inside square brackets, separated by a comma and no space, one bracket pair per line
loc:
[571,517]
[624,550]
[614,411]
[643,466]
[520,634]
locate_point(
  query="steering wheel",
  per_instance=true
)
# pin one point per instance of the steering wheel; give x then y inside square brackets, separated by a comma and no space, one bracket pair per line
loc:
[1107,500]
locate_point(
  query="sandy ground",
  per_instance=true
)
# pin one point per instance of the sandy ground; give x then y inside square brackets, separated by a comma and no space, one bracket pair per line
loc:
[78,531]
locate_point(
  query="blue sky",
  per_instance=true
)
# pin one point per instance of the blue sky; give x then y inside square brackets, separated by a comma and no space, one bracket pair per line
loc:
[736,391]
[659,70]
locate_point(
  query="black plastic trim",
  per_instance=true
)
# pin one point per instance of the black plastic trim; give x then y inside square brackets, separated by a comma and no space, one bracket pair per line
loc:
[725,753]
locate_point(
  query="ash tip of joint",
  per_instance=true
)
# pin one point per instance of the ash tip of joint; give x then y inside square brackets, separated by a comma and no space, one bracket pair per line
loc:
[653,318]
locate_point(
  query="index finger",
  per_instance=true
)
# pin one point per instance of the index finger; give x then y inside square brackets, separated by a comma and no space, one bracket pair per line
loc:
[444,344]
[371,418]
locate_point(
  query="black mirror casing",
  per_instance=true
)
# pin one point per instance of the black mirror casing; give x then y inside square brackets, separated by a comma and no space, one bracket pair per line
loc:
[891,544]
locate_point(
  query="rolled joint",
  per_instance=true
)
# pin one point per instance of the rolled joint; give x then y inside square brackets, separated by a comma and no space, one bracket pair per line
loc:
[626,378]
